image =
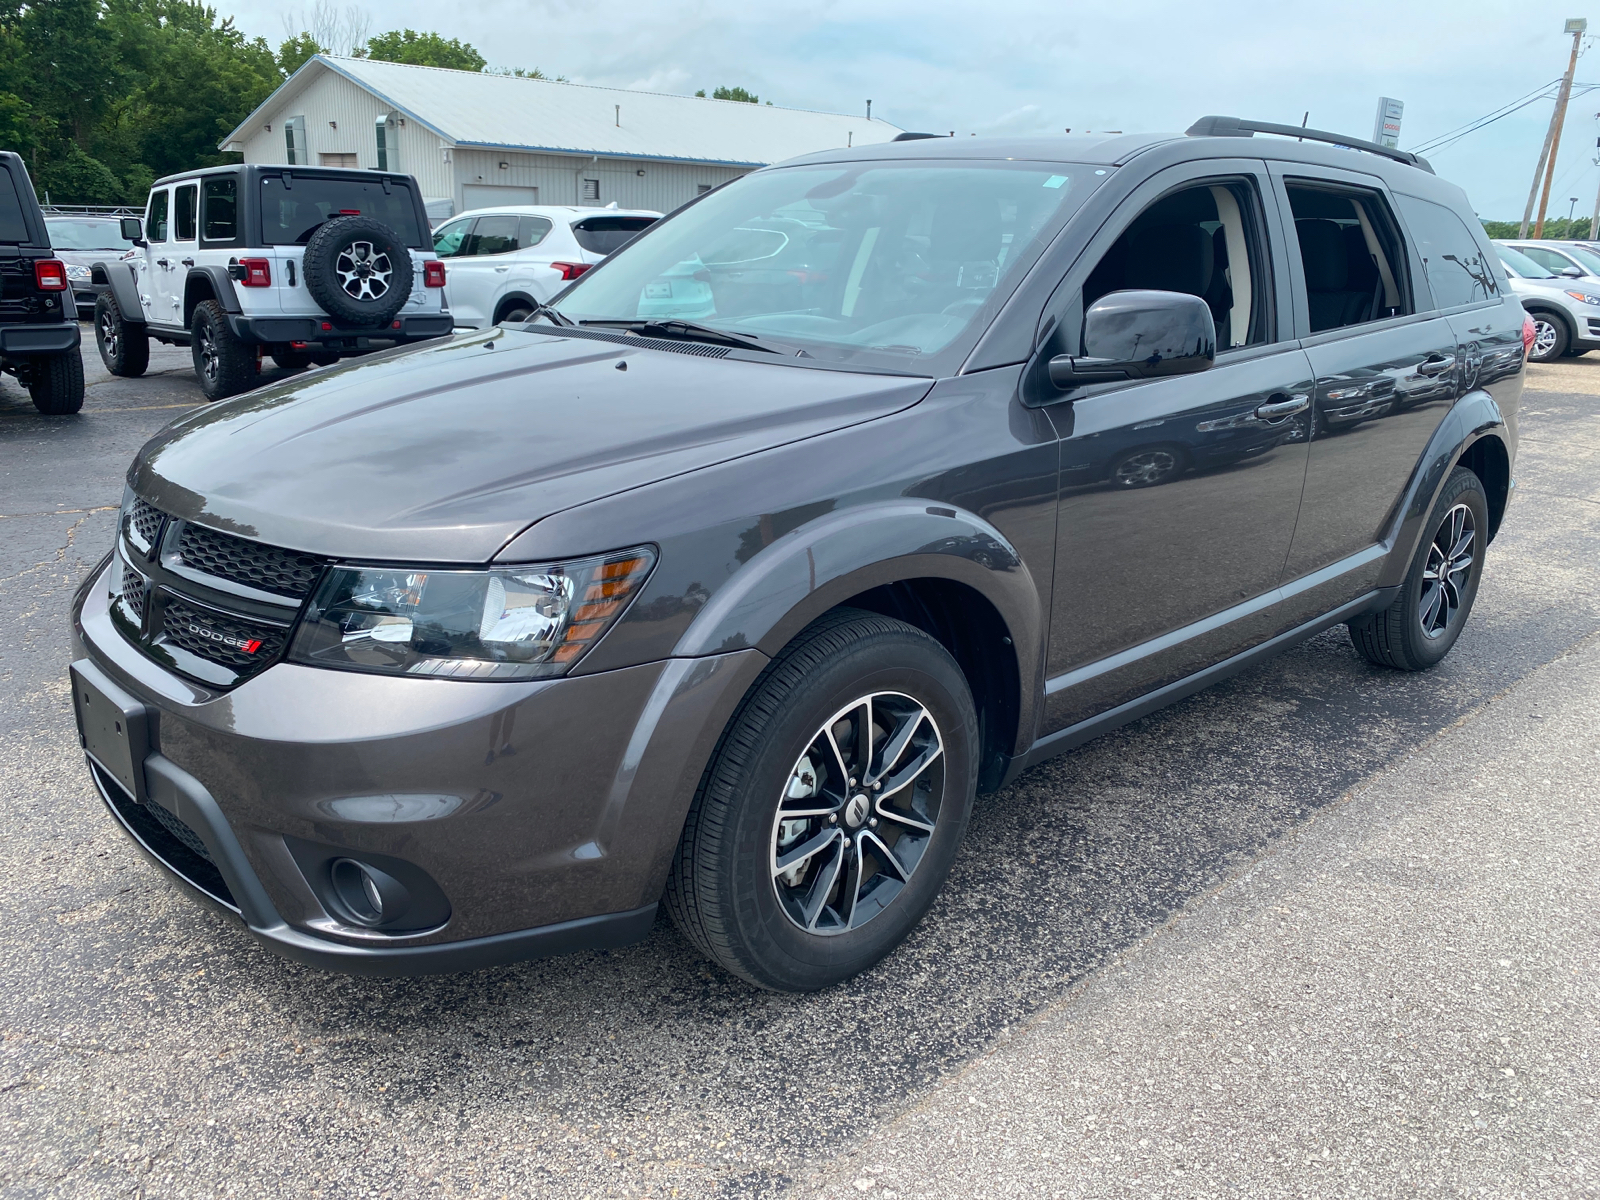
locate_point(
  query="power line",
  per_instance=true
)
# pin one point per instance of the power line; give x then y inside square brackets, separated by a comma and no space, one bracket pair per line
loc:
[1477,123]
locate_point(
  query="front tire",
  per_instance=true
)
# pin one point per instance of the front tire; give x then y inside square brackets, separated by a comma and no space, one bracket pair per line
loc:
[224,365]
[56,384]
[1550,337]
[125,350]
[832,810]
[1418,629]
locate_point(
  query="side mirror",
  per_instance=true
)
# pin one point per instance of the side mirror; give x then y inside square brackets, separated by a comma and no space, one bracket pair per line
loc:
[133,230]
[1572,273]
[1140,335]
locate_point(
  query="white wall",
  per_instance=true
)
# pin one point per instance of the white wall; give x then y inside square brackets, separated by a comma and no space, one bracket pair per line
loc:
[663,186]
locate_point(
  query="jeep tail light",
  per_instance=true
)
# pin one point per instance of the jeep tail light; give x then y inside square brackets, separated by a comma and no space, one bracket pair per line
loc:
[570,270]
[1527,334]
[257,272]
[50,274]
[433,273]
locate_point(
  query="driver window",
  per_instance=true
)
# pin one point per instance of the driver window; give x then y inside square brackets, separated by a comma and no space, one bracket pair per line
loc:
[1202,240]
[155,222]
[447,239]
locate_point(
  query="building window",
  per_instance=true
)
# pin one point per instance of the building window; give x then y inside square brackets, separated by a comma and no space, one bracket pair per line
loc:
[339,160]
[703,189]
[388,136]
[591,189]
[294,141]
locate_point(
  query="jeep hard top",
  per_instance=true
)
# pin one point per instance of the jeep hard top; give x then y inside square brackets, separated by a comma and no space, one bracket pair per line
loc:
[38,333]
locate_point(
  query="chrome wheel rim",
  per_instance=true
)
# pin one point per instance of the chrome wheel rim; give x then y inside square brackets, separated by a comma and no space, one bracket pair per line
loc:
[363,272]
[1139,470]
[108,335]
[1544,337]
[1446,572]
[857,813]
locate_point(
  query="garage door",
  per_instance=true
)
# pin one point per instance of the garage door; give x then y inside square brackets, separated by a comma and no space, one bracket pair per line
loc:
[493,195]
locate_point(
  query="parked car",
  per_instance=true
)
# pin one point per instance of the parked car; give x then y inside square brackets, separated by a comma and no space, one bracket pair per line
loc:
[505,262]
[80,240]
[1565,310]
[1569,260]
[38,332]
[488,649]
[307,264]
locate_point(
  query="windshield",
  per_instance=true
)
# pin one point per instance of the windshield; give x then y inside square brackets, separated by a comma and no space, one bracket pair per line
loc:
[86,233]
[1522,264]
[290,213]
[867,262]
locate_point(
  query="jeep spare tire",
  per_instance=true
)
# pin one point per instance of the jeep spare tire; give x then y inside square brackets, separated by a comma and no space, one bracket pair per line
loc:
[359,270]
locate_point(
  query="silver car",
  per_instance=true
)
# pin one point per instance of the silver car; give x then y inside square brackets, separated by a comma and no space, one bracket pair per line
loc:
[1565,310]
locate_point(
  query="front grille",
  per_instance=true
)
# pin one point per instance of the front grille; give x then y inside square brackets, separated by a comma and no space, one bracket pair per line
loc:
[166,837]
[144,522]
[133,593]
[282,572]
[179,830]
[240,644]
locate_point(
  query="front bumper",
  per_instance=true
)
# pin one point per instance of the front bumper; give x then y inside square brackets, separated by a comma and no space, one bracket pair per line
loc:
[545,812]
[268,331]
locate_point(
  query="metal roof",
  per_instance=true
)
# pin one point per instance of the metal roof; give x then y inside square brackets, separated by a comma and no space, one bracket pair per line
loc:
[503,112]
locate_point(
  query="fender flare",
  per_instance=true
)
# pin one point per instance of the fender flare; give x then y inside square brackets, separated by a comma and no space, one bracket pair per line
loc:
[841,554]
[220,284]
[1472,418]
[118,278]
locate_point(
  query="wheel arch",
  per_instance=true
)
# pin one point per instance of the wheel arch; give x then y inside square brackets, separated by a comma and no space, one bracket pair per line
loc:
[208,283]
[511,300]
[118,279]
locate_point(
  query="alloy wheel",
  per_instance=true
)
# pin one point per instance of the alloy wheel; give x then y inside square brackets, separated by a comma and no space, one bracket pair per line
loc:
[1544,337]
[1446,571]
[363,272]
[857,813]
[108,335]
[1151,466]
[210,356]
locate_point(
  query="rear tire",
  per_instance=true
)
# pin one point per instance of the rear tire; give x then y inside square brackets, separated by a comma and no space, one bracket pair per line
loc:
[291,360]
[1550,337]
[888,847]
[56,384]
[125,349]
[1418,629]
[224,365]
[517,312]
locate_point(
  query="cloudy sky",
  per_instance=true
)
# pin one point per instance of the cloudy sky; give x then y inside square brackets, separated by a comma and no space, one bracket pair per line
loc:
[1040,66]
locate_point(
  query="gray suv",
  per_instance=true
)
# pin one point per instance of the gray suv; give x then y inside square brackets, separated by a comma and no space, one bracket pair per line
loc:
[849,491]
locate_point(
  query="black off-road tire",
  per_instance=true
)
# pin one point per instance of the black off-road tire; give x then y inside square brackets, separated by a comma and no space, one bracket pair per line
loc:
[56,384]
[1396,636]
[335,256]
[124,348]
[291,360]
[721,893]
[224,365]
[324,360]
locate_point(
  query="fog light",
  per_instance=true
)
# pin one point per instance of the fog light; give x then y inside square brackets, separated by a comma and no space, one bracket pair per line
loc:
[369,896]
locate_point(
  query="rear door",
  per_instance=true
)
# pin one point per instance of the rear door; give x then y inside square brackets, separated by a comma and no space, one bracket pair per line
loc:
[1387,371]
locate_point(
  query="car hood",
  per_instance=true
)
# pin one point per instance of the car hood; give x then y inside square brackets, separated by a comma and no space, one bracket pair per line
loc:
[87,258]
[444,452]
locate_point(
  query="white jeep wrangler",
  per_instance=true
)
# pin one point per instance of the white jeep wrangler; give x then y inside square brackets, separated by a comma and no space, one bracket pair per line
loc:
[307,264]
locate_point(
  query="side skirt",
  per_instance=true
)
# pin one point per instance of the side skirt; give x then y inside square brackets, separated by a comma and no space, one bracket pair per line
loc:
[1075,735]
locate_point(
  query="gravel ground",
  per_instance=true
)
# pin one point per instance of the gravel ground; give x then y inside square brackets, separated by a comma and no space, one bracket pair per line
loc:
[148,1047]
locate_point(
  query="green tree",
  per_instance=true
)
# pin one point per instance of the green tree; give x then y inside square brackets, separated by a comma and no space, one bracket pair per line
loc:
[733,93]
[296,52]
[424,50]
[78,179]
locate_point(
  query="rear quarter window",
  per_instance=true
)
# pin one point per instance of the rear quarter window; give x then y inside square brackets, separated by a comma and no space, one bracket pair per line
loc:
[1459,270]
[13,220]
[605,235]
[219,210]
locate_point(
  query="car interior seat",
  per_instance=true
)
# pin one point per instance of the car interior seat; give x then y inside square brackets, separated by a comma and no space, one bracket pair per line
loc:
[1334,298]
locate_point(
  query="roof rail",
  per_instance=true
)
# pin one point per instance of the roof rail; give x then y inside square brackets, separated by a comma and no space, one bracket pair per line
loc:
[914,137]
[1235,127]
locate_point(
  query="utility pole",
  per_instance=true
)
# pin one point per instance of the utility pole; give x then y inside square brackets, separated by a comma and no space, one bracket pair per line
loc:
[1594,221]
[1576,27]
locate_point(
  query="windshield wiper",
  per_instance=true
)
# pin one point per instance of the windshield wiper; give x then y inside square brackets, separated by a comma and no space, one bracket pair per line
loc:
[688,331]
[554,317]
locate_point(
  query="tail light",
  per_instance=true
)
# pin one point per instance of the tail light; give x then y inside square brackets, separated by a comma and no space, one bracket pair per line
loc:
[50,274]
[1527,334]
[433,273]
[570,270]
[256,272]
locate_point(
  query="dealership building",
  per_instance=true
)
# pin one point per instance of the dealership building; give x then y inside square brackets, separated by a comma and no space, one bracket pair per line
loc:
[474,140]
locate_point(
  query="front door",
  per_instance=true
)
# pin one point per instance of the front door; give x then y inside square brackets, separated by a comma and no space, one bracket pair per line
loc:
[1387,371]
[1178,496]
[477,274]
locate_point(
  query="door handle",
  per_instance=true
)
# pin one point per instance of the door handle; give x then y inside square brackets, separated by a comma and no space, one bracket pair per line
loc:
[1281,406]
[161,262]
[1436,364]
[502,270]
[188,262]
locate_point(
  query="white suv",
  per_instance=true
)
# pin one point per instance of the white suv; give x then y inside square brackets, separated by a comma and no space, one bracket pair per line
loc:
[306,264]
[1565,311]
[506,262]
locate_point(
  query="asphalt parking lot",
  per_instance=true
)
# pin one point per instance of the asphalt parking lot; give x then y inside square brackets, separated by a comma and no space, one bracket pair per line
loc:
[152,1049]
